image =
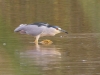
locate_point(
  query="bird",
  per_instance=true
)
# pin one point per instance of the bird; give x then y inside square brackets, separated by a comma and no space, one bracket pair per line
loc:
[39,29]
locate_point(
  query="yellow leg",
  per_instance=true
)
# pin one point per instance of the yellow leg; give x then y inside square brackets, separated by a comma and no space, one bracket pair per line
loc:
[36,40]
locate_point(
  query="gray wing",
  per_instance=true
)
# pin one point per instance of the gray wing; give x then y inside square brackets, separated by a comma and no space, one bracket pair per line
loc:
[41,24]
[33,30]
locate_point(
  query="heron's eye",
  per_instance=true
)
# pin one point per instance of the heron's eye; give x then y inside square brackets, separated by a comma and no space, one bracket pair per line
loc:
[58,28]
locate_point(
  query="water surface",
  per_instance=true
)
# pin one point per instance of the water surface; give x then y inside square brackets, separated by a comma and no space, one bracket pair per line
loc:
[76,54]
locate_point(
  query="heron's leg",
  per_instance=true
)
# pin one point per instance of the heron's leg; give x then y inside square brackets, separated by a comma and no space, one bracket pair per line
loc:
[36,40]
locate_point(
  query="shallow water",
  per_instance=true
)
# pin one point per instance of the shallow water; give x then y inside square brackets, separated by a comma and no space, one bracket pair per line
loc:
[76,54]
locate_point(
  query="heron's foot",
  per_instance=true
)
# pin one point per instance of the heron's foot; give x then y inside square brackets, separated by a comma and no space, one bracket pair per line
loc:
[46,42]
[36,42]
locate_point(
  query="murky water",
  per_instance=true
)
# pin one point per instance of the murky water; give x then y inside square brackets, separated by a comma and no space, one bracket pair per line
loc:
[77,53]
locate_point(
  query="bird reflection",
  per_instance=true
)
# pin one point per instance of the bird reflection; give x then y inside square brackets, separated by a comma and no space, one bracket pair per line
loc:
[40,55]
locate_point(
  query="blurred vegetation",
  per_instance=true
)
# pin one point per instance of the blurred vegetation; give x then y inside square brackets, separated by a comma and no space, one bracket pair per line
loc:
[76,16]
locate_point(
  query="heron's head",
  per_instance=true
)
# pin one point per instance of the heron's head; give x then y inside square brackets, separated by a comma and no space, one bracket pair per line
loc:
[20,27]
[58,29]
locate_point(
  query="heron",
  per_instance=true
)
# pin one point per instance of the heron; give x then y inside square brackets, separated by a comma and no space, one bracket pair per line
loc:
[39,29]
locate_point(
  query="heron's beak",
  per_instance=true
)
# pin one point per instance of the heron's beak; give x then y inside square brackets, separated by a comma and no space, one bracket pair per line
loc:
[16,30]
[64,31]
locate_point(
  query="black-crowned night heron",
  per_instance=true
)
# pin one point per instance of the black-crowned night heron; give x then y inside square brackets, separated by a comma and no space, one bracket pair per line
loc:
[38,30]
